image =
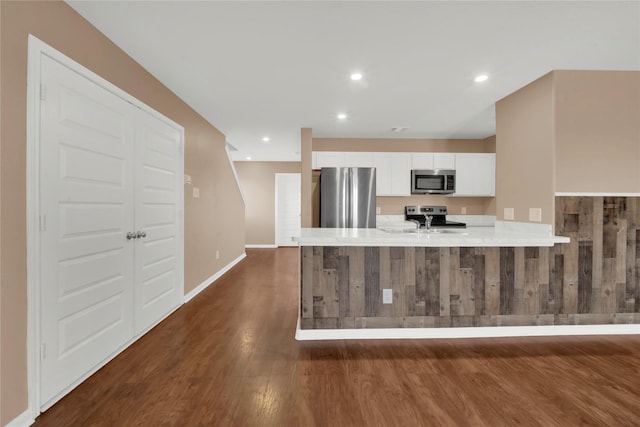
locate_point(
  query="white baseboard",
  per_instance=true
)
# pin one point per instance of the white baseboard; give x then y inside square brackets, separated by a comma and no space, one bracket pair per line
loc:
[475,332]
[260,246]
[202,286]
[23,420]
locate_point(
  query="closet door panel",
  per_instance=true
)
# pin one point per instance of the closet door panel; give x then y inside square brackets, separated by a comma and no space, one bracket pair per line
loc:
[158,268]
[86,207]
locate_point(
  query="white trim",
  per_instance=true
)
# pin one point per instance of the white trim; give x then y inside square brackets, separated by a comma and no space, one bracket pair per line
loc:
[36,49]
[586,194]
[475,332]
[23,420]
[260,246]
[202,286]
[235,173]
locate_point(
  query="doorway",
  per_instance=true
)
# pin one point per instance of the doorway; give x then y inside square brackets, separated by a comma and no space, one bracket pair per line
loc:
[287,215]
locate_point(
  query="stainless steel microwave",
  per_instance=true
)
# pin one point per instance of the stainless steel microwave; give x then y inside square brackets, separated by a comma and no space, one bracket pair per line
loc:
[433,181]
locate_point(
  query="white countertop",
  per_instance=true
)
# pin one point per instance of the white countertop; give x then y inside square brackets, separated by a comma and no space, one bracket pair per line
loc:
[504,234]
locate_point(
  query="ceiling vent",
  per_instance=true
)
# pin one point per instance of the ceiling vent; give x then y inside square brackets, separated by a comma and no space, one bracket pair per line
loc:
[399,129]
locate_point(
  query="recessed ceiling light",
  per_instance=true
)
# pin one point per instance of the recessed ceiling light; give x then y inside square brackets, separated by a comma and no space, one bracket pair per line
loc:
[265,139]
[248,157]
[481,78]
[342,116]
[356,76]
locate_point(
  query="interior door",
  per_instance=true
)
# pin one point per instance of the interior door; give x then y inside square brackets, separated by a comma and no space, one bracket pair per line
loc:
[287,208]
[158,271]
[86,198]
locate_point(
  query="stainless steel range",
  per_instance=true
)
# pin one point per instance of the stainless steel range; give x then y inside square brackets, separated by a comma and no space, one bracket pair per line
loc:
[431,217]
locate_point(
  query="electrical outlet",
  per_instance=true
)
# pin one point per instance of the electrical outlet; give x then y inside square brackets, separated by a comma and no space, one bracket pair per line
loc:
[535,214]
[508,214]
[217,254]
[378,211]
[196,192]
[463,210]
[387,296]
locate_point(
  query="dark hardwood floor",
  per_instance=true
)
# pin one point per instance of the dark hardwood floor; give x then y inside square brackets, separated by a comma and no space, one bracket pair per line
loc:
[229,358]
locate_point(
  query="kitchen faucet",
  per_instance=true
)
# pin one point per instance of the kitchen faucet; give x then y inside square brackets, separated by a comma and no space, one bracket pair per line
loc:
[428,219]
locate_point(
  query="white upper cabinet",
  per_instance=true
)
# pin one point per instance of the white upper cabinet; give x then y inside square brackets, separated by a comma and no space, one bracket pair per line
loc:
[337,159]
[393,174]
[475,174]
[421,160]
[444,161]
[433,161]
[329,159]
[358,160]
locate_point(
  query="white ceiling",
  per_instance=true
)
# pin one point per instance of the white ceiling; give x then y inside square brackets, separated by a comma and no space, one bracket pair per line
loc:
[257,69]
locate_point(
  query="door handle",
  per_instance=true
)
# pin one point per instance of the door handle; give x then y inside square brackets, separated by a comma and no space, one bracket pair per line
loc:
[141,234]
[131,235]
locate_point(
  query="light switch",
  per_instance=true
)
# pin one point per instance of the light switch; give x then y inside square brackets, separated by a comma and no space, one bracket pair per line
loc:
[535,214]
[508,214]
[196,192]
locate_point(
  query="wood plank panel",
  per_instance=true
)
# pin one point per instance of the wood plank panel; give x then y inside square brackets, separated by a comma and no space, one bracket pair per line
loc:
[507,280]
[445,272]
[432,269]
[372,292]
[492,281]
[410,280]
[420,289]
[585,265]
[356,281]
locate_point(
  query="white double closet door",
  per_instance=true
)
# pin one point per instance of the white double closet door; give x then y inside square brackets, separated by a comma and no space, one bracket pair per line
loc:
[110,236]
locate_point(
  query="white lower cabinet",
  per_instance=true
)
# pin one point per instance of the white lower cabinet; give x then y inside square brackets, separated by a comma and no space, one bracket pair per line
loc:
[393,174]
[475,175]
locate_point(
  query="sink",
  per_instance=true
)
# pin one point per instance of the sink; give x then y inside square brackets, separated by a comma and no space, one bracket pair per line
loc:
[462,232]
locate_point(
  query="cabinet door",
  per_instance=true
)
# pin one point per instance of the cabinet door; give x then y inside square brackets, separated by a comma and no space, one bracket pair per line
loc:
[444,161]
[421,160]
[485,179]
[400,164]
[383,174]
[329,159]
[358,160]
[475,174]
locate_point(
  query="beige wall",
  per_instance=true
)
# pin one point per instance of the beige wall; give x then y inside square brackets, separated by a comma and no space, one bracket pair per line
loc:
[597,131]
[395,205]
[214,221]
[525,151]
[258,182]
[411,145]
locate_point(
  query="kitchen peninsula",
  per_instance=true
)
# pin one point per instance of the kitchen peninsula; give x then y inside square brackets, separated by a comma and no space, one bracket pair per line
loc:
[393,282]
[507,275]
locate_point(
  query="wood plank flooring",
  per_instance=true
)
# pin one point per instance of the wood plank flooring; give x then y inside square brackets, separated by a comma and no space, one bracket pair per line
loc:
[229,358]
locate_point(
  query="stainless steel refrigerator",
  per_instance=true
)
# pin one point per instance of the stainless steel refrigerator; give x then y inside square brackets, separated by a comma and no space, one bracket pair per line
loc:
[348,197]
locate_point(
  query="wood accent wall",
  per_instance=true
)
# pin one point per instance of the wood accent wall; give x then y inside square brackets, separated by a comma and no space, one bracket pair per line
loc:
[593,280]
